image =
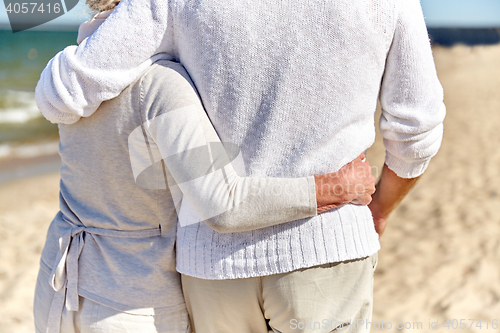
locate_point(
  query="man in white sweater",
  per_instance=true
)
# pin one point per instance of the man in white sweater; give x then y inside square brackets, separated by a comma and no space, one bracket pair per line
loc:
[295,84]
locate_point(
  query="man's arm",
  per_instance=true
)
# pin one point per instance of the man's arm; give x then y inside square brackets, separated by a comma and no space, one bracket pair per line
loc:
[390,190]
[412,111]
[411,96]
[78,79]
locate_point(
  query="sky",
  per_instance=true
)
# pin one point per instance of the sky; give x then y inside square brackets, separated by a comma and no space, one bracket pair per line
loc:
[462,13]
[438,13]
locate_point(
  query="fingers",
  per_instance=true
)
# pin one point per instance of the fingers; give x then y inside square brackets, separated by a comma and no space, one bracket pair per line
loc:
[361,161]
[380,226]
[362,200]
[353,183]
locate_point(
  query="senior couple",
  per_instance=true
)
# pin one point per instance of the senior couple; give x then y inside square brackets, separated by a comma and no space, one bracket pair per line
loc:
[213,174]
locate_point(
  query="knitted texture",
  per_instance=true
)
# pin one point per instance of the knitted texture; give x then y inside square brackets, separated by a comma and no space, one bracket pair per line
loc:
[294,84]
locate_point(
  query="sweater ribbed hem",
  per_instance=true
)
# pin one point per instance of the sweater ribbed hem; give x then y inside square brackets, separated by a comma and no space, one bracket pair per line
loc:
[342,234]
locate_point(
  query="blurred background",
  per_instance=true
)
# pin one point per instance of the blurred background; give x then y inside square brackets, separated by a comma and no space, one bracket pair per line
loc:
[440,257]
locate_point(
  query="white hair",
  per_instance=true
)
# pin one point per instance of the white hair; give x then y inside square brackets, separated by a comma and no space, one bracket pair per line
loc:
[102,5]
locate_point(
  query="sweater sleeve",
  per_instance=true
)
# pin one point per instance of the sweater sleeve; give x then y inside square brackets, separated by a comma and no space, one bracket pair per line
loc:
[201,169]
[79,78]
[411,96]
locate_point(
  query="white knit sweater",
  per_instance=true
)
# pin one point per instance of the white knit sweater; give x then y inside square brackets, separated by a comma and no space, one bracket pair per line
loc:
[294,83]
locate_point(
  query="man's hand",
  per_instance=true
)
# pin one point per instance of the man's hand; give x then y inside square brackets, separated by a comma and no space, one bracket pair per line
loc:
[353,183]
[390,190]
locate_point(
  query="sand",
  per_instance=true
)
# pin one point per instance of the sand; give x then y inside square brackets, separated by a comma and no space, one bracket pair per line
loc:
[440,252]
[26,208]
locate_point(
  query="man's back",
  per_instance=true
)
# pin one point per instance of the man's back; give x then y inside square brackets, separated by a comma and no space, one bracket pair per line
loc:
[293,83]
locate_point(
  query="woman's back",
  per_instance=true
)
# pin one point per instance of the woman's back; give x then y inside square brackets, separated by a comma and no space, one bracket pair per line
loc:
[116,213]
[97,179]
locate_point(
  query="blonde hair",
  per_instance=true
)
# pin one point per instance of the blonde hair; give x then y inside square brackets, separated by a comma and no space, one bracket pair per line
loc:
[102,5]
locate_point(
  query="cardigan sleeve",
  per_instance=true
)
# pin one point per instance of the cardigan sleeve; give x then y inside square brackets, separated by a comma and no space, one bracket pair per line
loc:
[79,78]
[411,95]
[200,167]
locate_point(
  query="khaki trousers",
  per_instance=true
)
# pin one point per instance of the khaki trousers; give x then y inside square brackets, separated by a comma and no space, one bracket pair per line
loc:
[326,298]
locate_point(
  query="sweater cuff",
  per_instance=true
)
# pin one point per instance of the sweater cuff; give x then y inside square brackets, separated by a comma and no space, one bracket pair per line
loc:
[313,202]
[50,112]
[57,117]
[404,168]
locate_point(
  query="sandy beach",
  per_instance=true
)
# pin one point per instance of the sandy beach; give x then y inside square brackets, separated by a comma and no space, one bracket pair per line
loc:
[26,208]
[440,256]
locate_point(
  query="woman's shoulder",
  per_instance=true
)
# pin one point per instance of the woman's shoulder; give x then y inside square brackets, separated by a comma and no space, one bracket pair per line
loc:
[165,72]
[166,86]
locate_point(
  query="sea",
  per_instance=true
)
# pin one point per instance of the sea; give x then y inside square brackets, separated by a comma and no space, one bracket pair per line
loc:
[23,56]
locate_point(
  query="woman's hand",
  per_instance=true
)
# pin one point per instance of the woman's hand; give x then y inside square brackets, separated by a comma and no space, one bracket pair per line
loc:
[353,183]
